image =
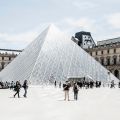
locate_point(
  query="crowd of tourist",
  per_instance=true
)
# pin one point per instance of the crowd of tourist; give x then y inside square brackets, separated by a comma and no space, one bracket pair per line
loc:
[15,86]
[4,85]
[76,85]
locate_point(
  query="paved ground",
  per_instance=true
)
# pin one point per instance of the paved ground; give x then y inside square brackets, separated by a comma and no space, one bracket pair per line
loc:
[48,104]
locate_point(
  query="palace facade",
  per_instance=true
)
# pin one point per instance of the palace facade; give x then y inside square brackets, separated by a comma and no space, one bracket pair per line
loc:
[107,52]
[6,56]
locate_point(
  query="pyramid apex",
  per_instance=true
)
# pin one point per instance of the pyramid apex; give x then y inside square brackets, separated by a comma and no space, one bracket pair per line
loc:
[51,25]
[53,28]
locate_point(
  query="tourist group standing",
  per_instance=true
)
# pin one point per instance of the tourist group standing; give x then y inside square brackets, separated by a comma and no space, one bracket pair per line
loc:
[66,88]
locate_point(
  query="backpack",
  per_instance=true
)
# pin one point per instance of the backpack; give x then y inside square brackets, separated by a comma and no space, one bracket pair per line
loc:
[75,89]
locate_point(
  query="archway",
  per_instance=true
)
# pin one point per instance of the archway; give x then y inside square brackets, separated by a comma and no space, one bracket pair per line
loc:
[116,73]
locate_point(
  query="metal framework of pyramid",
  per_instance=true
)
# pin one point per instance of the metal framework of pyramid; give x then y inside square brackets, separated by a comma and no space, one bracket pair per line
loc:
[54,56]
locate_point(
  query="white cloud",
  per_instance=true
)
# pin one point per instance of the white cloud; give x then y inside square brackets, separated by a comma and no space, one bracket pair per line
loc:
[20,40]
[17,41]
[82,23]
[114,20]
[84,5]
[26,37]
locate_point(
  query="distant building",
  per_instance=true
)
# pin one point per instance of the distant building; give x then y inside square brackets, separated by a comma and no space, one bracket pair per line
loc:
[6,56]
[107,52]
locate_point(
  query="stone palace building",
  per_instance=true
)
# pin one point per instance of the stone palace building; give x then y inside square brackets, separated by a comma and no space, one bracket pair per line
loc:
[106,52]
[6,56]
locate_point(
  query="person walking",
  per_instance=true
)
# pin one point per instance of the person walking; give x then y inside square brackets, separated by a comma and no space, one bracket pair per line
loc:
[119,85]
[11,85]
[66,88]
[60,84]
[25,86]
[17,89]
[55,83]
[112,84]
[75,90]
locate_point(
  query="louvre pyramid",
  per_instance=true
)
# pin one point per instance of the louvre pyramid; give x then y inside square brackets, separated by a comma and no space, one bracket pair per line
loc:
[53,56]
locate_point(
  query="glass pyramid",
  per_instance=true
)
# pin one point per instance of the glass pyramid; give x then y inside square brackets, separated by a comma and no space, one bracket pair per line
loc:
[54,56]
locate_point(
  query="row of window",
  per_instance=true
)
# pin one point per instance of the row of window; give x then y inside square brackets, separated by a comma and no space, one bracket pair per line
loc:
[108,51]
[4,58]
[102,61]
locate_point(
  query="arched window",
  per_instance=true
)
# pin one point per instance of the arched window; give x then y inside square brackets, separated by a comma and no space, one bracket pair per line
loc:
[115,60]
[102,60]
[2,58]
[108,60]
[96,52]
[102,52]
[9,58]
[116,73]
[114,50]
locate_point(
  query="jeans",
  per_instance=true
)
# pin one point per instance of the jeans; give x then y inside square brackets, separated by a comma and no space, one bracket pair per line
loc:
[75,95]
[17,92]
[25,94]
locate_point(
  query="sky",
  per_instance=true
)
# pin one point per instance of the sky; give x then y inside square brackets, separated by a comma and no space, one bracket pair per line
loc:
[21,20]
